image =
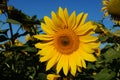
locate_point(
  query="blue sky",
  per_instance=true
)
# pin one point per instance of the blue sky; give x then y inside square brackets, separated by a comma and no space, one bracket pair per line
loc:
[44,7]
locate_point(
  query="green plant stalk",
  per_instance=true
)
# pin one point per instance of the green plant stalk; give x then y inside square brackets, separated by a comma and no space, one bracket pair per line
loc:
[11,32]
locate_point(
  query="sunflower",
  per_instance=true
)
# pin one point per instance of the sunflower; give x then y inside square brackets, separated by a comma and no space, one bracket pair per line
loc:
[52,77]
[112,8]
[67,42]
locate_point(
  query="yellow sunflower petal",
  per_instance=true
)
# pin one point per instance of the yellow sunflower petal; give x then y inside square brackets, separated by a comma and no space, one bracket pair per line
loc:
[78,20]
[65,65]
[83,19]
[66,14]
[47,53]
[87,56]
[57,21]
[53,77]
[39,52]
[47,29]
[62,16]
[83,63]
[105,2]
[60,63]
[104,8]
[50,23]
[72,65]
[42,45]
[43,37]
[47,57]
[52,61]
[85,47]
[88,38]
[72,20]
[79,69]
[94,45]
[78,59]
[45,50]
[82,29]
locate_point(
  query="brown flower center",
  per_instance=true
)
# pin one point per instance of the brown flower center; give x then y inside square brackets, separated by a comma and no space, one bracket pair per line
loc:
[114,8]
[66,41]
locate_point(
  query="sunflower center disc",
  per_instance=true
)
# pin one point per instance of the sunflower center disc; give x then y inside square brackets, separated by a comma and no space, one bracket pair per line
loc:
[114,8]
[66,41]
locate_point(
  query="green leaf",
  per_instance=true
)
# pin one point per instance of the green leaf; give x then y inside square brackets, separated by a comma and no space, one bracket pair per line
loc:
[42,76]
[103,38]
[25,48]
[13,21]
[104,74]
[91,66]
[117,32]
[30,49]
[111,54]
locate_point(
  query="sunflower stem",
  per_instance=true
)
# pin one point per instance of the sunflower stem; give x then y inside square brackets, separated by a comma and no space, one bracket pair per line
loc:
[11,32]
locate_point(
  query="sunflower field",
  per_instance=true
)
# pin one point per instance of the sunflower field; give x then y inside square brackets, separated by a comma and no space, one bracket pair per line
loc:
[65,46]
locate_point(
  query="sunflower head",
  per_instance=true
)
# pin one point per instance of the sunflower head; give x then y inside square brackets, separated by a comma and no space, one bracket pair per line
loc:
[68,41]
[112,8]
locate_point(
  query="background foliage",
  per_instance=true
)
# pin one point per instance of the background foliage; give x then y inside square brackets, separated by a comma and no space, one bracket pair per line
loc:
[18,60]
